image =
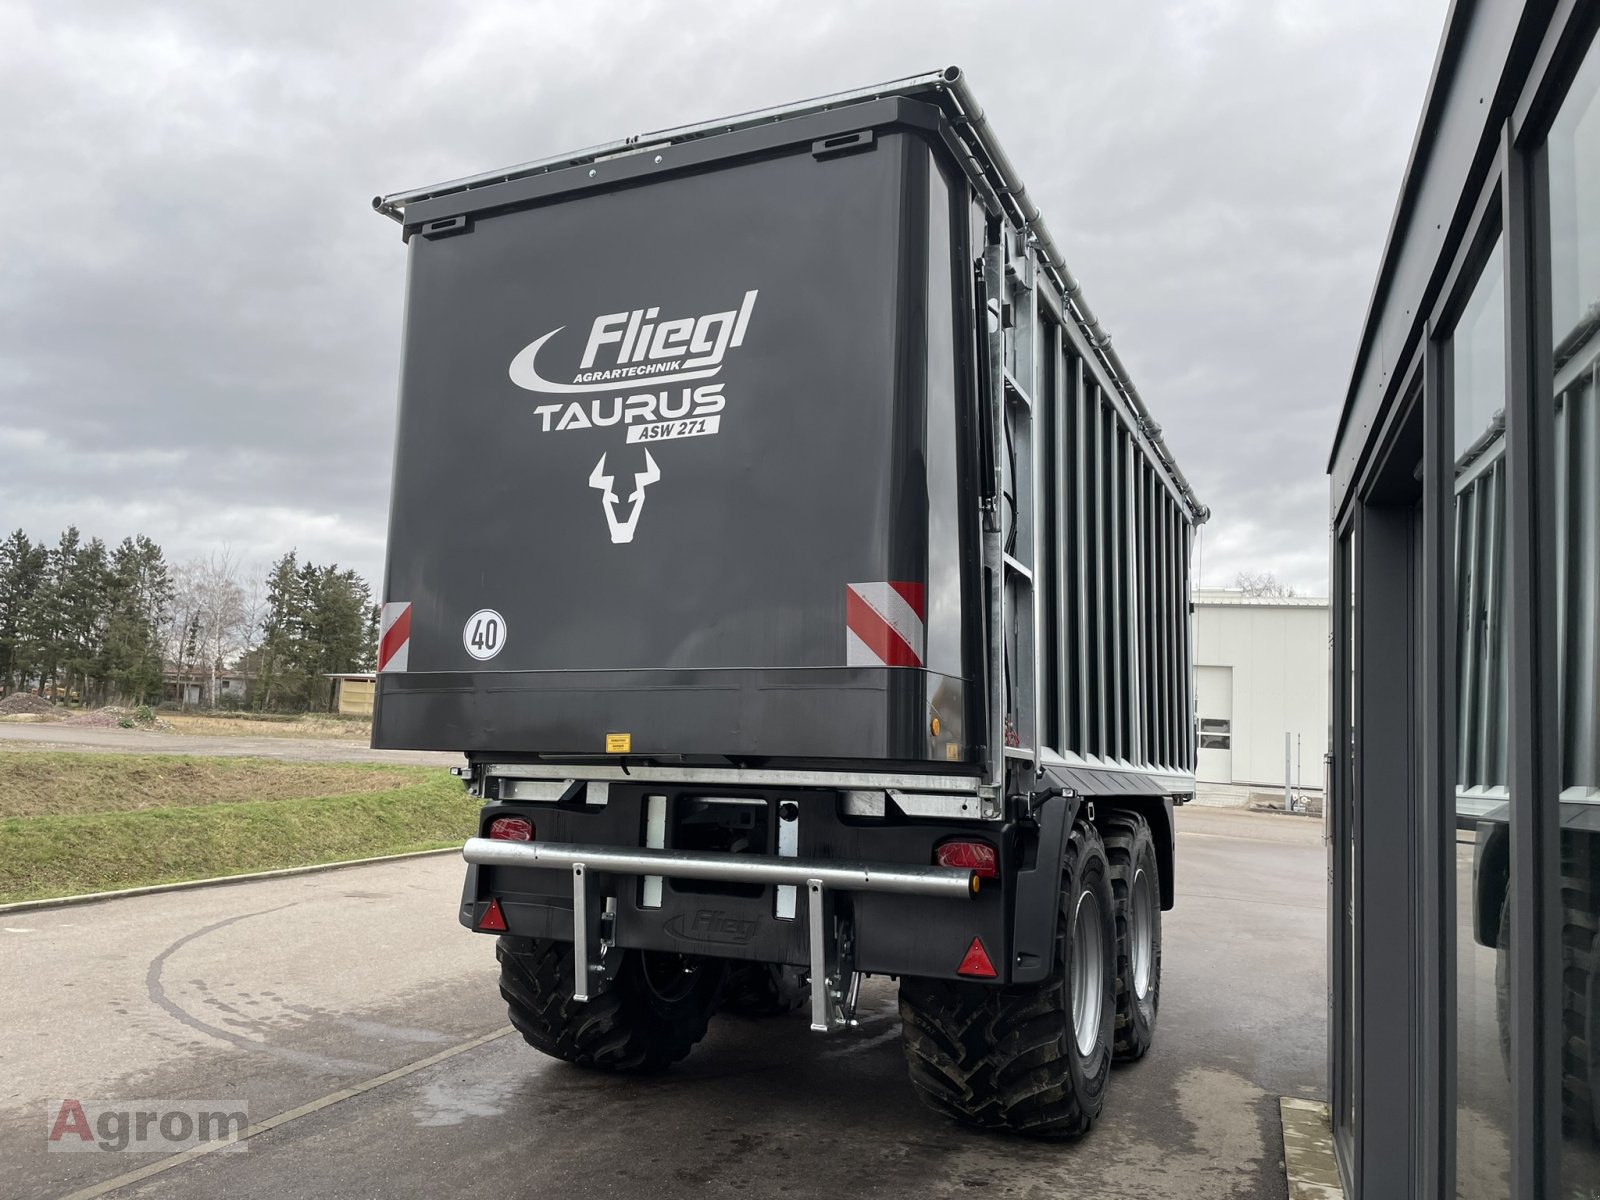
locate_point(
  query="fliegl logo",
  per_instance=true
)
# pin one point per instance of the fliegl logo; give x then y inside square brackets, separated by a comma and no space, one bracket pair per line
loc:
[637,345]
[713,925]
[626,353]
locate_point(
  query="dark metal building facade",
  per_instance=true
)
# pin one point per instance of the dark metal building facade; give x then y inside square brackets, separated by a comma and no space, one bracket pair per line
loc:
[1465,812]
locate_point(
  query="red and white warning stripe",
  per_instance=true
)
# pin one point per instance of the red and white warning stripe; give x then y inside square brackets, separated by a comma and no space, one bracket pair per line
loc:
[884,625]
[394,638]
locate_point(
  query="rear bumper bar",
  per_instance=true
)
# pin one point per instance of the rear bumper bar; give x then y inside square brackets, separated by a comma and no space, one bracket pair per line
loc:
[831,953]
[950,882]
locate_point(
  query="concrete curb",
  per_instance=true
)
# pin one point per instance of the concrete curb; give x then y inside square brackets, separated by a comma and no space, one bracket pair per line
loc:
[188,884]
[1308,1159]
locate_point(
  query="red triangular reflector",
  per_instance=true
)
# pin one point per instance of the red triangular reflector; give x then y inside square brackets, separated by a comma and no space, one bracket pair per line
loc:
[494,919]
[977,961]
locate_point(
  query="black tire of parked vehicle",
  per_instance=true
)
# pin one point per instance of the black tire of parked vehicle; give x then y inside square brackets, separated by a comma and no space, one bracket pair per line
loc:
[765,990]
[1136,897]
[1580,984]
[650,1016]
[1010,1058]
[1502,983]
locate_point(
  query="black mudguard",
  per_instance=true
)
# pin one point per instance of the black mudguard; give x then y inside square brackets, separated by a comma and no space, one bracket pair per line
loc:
[1038,892]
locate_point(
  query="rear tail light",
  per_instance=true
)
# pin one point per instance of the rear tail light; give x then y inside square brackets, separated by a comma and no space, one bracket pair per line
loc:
[978,857]
[511,829]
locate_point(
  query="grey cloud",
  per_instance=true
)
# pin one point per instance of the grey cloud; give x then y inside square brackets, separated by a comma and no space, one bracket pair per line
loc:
[199,314]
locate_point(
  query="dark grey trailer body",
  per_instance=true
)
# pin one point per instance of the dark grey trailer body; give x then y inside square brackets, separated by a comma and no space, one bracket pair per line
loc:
[675,544]
[802,575]
[706,429]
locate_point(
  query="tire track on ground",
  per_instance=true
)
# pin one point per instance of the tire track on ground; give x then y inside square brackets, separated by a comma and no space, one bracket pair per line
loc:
[158,995]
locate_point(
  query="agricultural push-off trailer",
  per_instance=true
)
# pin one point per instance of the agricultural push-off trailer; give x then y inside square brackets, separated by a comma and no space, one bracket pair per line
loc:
[780,538]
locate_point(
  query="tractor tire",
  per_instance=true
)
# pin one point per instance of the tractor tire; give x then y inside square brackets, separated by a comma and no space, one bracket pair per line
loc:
[1032,1059]
[649,1017]
[1136,898]
[765,990]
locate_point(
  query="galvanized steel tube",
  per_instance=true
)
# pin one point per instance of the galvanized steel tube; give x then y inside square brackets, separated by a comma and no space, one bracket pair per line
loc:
[949,882]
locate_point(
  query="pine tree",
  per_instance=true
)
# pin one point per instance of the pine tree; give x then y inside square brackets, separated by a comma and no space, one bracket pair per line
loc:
[280,633]
[44,626]
[82,594]
[343,599]
[22,567]
[139,601]
[320,621]
[369,641]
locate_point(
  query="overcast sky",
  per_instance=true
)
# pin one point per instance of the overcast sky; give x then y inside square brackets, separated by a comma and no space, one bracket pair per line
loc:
[200,313]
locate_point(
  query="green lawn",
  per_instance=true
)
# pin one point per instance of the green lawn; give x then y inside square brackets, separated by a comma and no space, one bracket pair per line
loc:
[73,823]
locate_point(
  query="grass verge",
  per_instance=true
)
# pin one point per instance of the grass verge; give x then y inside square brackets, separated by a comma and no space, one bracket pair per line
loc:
[42,783]
[276,725]
[210,817]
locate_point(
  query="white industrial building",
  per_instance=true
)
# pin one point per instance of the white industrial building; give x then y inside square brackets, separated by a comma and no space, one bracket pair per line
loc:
[1261,680]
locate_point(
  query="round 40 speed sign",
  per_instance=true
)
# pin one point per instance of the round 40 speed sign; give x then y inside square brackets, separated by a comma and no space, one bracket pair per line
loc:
[484,634]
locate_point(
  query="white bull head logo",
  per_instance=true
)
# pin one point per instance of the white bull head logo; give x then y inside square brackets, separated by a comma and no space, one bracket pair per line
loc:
[622,529]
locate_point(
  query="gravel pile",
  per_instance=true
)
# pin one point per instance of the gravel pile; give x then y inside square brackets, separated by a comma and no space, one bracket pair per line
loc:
[23,703]
[102,718]
[113,717]
[27,704]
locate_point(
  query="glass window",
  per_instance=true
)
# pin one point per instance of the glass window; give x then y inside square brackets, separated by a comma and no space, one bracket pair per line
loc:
[1477,363]
[1572,185]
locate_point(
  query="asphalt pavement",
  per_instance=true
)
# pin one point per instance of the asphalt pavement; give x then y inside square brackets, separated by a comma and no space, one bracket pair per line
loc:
[351,1012]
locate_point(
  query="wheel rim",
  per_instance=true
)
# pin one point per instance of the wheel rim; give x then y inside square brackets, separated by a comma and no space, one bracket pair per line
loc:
[1143,934]
[1088,973]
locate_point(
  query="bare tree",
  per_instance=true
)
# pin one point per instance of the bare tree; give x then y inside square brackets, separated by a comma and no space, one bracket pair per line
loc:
[181,636]
[224,608]
[1262,584]
[211,619]
[253,597]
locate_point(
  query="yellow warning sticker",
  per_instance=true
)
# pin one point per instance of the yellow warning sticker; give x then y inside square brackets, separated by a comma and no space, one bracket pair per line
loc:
[619,743]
